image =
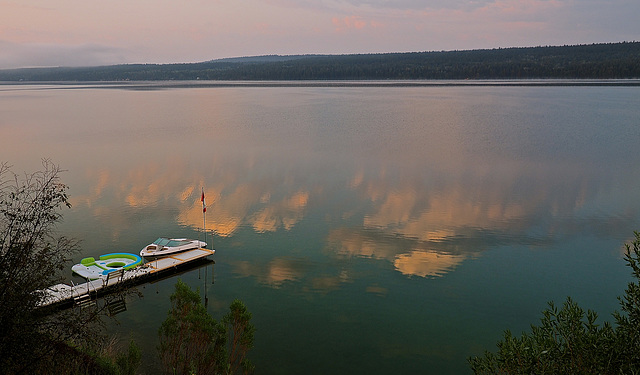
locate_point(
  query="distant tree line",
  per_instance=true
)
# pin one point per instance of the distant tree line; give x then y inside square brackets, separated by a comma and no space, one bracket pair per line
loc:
[594,61]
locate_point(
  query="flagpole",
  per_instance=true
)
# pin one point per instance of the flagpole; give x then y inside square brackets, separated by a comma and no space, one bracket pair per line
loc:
[204,216]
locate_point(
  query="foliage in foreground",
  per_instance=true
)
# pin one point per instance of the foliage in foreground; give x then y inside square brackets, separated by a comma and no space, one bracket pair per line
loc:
[31,256]
[191,341]
[569,341]
[35,340]
[107,360]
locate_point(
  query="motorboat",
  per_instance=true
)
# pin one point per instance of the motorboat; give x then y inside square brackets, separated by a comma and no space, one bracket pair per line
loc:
[93,269]
[166,246]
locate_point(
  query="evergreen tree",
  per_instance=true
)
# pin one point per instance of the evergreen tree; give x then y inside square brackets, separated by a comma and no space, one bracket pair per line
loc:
[191,341]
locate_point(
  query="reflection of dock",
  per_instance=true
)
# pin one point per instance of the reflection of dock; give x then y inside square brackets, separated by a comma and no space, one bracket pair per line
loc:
[61,294]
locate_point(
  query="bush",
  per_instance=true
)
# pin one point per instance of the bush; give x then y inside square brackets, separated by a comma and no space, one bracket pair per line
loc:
[31,258]
[36,340]
[568,341]
[191,341]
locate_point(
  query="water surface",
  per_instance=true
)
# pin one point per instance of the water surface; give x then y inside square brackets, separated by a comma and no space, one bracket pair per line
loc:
[369,229]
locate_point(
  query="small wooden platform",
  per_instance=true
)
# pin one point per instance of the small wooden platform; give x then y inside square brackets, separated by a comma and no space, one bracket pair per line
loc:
[178,259]
[63,293]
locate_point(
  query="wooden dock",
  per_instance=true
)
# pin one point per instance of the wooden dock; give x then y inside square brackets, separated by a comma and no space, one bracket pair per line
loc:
[62,294]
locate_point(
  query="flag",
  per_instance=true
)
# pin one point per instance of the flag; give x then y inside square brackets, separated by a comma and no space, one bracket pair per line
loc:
[204,205]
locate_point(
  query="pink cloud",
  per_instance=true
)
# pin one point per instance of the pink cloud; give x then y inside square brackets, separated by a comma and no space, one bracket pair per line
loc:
[349,22]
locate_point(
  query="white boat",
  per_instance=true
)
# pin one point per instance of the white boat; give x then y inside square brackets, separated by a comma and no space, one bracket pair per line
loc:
[92,269]
[166,246]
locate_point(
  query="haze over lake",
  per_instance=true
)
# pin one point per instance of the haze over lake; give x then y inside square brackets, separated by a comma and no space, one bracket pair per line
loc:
[368,228]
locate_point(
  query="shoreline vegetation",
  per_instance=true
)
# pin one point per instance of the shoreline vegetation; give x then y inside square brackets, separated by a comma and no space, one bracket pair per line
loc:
[616,63]
[570,340]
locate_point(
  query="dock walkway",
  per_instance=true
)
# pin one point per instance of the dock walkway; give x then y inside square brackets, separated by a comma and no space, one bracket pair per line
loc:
[62,293]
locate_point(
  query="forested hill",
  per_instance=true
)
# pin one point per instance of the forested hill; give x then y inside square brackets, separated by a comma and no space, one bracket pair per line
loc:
[595,61]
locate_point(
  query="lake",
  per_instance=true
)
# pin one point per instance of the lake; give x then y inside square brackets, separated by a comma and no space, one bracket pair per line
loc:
[369,228]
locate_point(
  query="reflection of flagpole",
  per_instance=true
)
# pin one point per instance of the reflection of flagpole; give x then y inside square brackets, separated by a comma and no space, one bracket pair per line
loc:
[204,215]
[204,229]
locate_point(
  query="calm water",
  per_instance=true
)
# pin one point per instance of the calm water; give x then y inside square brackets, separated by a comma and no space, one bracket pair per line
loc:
[368,229]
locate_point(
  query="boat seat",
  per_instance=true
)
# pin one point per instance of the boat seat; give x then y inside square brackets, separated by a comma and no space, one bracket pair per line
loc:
[87,261]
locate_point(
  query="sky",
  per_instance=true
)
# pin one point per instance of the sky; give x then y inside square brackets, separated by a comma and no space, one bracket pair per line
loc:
[91,32]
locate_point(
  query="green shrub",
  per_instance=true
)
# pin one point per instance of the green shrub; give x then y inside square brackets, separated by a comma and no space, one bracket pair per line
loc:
[569,341]
[191,341]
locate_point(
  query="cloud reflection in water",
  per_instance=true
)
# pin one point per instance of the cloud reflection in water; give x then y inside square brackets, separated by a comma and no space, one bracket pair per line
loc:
[417,180]
[421,229]
[275,273]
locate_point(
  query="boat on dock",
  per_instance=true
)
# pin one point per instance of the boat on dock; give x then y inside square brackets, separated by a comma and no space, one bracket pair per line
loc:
[64,295]
[117,270]
[93,269]
[164,246]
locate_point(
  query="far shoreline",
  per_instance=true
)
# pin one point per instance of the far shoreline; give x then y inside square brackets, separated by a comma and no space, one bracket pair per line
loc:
[167,84]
